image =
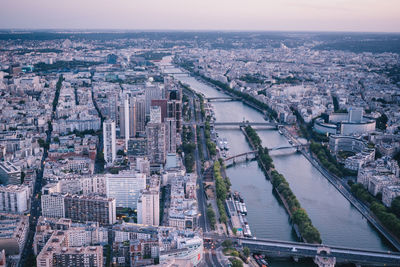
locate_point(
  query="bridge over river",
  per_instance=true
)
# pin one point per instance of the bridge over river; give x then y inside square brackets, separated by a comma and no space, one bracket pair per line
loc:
[253,154]
[319,252]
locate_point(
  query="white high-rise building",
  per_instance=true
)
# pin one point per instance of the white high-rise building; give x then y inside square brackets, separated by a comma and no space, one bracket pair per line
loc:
[140,114]
[126,120]
[170,135]
[14,198]
[143,165]
[156,143]
[152,92]
[109,139]
[125,187]
[148,206]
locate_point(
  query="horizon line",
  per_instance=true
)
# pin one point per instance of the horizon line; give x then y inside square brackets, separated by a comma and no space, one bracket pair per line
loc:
[114,30]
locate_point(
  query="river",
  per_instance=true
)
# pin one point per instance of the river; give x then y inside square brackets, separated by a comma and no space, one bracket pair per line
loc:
[337,220]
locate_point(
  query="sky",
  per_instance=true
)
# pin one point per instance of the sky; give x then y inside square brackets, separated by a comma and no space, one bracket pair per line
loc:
[264,15]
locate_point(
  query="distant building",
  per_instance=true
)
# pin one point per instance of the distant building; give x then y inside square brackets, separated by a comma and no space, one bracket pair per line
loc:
[128,118]
[109,140]
[152,92]
[156,145]
[170,135]
[162,103]
[140,114]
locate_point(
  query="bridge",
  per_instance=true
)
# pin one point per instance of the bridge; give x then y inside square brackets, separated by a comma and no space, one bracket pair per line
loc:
[177,73]
[318,252]
[222,99]
[297,147]
[241,157]
[244,124]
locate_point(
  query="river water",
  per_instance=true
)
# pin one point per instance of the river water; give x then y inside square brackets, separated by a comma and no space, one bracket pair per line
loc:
[337,220]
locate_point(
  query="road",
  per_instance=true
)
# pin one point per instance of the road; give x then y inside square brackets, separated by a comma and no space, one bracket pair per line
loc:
[210,254]
[340,185]
[35,211]
[299,249]
[361,207]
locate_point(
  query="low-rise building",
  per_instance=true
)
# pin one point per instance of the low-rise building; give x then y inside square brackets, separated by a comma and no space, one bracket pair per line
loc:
[389,193]
[10,173]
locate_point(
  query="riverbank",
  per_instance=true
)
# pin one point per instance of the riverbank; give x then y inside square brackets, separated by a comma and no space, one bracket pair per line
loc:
[245,98]
[297,214]
[343,191]
[325,205]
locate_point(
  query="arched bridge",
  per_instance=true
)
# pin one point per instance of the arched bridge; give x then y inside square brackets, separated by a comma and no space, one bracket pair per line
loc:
[241,157]
[288,147]
[222,99]
[244,124]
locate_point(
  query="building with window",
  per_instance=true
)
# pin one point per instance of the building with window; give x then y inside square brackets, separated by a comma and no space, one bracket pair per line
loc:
[125,187]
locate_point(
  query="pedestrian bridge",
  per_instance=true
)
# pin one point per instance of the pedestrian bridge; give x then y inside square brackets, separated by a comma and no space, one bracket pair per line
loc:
[316,251]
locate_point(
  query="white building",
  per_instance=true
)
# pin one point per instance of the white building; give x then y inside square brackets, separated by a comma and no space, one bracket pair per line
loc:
[53,205]
[14,198]
[148,206]
[125,187]
[389,193]
[109,139]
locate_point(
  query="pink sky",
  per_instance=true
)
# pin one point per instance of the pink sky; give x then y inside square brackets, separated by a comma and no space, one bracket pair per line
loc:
[314,15]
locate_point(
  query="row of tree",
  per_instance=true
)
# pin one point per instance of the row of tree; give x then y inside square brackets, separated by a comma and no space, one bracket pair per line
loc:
[57,94]
[389,217]
[211,216]
[188,148]
[212,148]
[326,159]
[222,188]
[263,154]
[299,215]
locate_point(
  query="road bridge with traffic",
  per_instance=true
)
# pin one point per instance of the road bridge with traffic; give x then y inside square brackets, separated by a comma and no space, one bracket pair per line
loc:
[297,250]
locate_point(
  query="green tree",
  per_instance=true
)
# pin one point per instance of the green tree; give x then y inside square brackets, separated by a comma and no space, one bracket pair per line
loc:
[246,252]
[234,230]
[227,243]
[236,262]
[395,207]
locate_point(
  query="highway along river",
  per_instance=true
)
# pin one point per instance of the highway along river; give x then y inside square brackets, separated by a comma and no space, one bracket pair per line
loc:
[337,220]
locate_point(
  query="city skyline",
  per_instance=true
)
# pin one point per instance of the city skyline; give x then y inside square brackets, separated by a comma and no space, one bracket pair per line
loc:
[288,15]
